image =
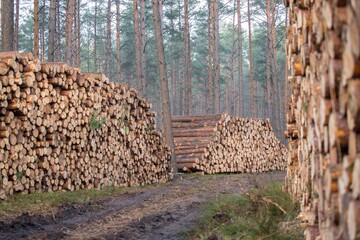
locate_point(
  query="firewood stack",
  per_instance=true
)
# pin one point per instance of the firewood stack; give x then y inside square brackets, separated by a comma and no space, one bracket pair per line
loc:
[323,53]
[224,144]
[64,130]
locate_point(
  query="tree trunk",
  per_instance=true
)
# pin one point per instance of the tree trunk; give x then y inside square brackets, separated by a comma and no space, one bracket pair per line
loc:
[69,32]
[232,74]
[142,45]
[16,34]
[137,48]
[209,96]
[43,32]
[240,57]
[216,57]
[181,77]
[36,28]
[188,84]
[78,34]
[95,36]
[52,29]
[252,114]
[275,102]
[268,61]
[108,41]
[164,91]
[173,68]
[118,57]
[7,25]
[57,33]
[226,102]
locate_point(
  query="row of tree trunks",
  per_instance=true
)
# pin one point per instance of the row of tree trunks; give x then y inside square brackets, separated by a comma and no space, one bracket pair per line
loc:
[323,54]
[220,143]
[61,129]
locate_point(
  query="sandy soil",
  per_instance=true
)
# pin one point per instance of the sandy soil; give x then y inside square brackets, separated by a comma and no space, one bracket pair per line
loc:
[157,212]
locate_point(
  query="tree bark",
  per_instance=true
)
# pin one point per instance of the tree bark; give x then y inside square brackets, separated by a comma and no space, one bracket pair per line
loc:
[233,96]
[57,33]
[216,57]
[137,44]
[95,36]
[251,65]
[188,84]
[240,58]
[118,57]
[164,90]
[7,25]
[142,45]
[268,57]
[181,77]
[108,41]
[69,32]
[43,32]
[209,96]
[52,29]
[36,28]
[274,88]
[17,17]
[173,68]
[78,34]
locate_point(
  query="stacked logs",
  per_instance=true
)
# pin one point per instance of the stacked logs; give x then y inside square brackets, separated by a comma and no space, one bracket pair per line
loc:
[323,52]
[224,144]
[61,129]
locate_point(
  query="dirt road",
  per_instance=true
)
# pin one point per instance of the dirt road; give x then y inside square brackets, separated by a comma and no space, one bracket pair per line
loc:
[155,212]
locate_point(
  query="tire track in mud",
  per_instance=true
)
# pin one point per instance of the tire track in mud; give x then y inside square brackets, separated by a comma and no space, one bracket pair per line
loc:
[160,212]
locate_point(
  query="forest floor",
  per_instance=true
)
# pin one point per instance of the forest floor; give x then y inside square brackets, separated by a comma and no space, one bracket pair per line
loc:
[162,211]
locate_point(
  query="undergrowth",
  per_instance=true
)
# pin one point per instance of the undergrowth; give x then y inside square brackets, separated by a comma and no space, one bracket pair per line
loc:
[257,215]
[96,121]
[46,201]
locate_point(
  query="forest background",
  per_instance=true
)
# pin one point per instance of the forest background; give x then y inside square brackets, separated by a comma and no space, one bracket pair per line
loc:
[221,55]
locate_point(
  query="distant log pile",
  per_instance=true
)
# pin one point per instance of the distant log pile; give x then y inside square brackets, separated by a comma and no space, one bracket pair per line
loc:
[224,144]
[323,52]
[64,130]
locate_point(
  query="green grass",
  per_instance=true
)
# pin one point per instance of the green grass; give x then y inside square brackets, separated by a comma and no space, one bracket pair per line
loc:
[42,202]
[249,217]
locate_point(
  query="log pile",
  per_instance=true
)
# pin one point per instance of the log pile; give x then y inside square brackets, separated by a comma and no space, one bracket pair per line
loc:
[224,144]
[323,52]
[61,129]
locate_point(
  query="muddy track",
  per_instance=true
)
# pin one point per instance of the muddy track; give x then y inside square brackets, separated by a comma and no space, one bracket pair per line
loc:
[161,212]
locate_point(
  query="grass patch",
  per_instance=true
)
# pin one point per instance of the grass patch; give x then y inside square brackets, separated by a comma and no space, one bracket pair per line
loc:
[45,202]
[253,216]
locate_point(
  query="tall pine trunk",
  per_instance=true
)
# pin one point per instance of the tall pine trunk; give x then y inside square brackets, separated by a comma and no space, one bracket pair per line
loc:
[252,114]
[232,74]
[268,59]
[78,33]
[142,46]
[137,46]
[95,36]
[274,88]
[16,31]
[164,90]
[209,95]
[240,57]
[43,32]
[69,32]
[52,29]
[173,68]
[216,56]
[118,57]
[188,84]
[7,25]
[36,28]
[108,71]
[57,40]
